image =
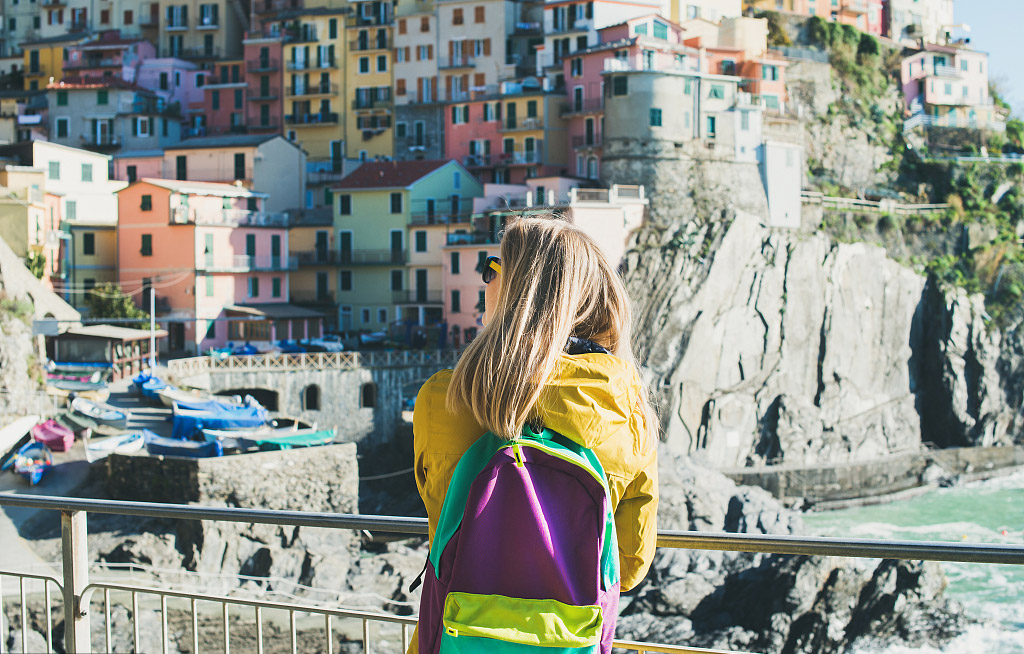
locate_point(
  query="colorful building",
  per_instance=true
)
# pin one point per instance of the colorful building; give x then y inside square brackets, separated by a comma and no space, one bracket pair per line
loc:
[264,74]
[369,80]
[30,219]
[865,15]
[910,21]
[314,284]
[419,112]
[710,10]
[217,260]
[43,59]
[201,30]
[110,56]
[948,85]
[179,83]
[107,114]
[390,222]
[224,100]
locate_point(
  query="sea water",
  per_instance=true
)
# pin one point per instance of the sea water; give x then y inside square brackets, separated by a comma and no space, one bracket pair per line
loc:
[981,512]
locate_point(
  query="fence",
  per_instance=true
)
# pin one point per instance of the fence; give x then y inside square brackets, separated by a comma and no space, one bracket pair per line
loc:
[181,368]
[77,592]
[881,206]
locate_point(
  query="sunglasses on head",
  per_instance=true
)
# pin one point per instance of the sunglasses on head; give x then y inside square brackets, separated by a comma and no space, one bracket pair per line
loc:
[492,268]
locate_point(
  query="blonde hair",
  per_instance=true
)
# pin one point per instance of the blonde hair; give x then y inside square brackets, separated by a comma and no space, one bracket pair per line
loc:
[555,283]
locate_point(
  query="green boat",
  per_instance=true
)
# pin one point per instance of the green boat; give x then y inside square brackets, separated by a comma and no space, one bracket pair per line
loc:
[304,438]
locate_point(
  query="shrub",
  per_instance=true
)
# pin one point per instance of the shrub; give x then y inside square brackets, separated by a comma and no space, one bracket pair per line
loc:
[887,223]
[868,46]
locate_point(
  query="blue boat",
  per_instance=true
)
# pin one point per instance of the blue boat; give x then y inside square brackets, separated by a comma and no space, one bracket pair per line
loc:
[147,385]
[191,418]
[159,445]
[32,461]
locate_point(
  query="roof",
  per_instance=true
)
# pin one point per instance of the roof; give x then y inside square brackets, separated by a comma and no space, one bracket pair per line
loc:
[114,333]
[60,38]
[317,217]
[227,141]
[109,43]
[274,311]
[110,82]
[24,151]
[138,154]
[200,188]
[390,174]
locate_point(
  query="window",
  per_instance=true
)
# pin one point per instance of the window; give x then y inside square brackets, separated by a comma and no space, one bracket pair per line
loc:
[165,81]
[215,99]
[311,398]
[421,240]
[239,165]
[102,96]
[457,16]
[368,393]
[577,66]
[209,286]
[745,121]
[238,98]
[717,91]
[86,172]
[396,203]
[770,73]
[70,210]
[456,183]
[147,245]
[478,15]
[660,30]
[90,283]
[364,65]
[397,282]
[620,85]
[147,203]
[531,109]
[345,280]
[88,243]
[712,124]
[254,286]
[129,17]
[456,302]
[275,287]
[455,263]
[382,63]
[382,315]
[332,28]
[364,315]
[345,204]
[949,89]
[54,172]
[425,24]
[401,130]
[655,117]
[460,114]
[62,98]
[132,173]
[63,127]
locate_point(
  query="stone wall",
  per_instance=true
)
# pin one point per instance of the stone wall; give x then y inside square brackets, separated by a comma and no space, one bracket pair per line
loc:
[320,479]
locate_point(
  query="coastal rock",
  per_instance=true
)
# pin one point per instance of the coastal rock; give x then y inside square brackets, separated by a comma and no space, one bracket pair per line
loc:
[34,641]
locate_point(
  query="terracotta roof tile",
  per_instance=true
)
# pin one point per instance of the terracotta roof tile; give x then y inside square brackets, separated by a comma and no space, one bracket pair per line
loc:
[389,174]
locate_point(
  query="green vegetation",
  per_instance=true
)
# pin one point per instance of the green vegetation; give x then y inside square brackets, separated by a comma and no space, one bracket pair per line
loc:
[109,301]
[36,263]
[777,34]
[15,308]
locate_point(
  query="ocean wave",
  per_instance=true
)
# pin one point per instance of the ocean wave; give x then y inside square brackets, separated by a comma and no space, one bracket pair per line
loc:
[978,639]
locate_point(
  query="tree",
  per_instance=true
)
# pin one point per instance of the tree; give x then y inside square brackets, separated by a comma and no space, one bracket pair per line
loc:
[109,301]
[36,263]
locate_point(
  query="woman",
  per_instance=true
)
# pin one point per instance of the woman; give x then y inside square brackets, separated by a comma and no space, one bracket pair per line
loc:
[554,353]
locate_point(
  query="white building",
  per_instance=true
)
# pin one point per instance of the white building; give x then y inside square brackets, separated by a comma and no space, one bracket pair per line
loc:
[709,10]
[910,20]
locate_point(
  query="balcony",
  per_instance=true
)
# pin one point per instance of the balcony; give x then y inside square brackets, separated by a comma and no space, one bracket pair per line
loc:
[317,64]
[352,258]
[579,25]
[176,24]
[247,263]
[53,4]
[313,297]
[440,217]
[521,124]
[192,53]
[101,143]
[583,142]
[947,71]
[420,296]
[382,19]
[371,103]
[528,29]
[108,62]
[474,238]
[258,95]
[254,125]
[149,20]
[521,158]
[361,45]
[321,171]
[323,118]
[477,161]
[582,107]
[228,217]
[313,89]
[855,7]
[446,63]
[413,143]
[208,23]
[263,65]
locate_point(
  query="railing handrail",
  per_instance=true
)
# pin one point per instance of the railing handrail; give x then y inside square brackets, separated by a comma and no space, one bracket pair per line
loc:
[761,543]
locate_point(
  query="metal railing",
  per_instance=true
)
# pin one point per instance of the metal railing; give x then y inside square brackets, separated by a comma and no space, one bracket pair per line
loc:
[322,118]
[190,367]
[246,263]
[925,120]
[262,65]
[351,257]
[323,88]
[77,592]
[881,206]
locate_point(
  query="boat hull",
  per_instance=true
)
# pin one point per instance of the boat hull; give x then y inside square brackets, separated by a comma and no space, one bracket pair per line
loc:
[33,461]
[121,444]
[54,435]
[100,414]
[160,446]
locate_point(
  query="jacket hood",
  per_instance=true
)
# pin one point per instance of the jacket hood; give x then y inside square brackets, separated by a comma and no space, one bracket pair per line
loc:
[589,397]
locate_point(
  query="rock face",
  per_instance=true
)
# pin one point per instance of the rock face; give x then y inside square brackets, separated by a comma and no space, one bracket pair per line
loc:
[755,602]
[801,345]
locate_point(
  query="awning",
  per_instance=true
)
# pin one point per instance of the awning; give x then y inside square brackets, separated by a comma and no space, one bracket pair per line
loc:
[114,333]
[274,311]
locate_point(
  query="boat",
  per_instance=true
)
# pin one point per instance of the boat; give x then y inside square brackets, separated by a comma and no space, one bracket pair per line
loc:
[125,443]
[147,385]
[192,418]
[64,388]
[32,461]
[54,435]
[171,394]
[101,413]
[305,438]
[159,445]
[12,435]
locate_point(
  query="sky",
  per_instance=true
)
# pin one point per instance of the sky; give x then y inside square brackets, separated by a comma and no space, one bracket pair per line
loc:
[996,29]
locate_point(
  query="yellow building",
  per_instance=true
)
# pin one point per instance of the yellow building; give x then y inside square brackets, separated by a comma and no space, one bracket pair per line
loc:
[533,134]
[200,30]
[368,80]
[314,101]
[44,59]
[315,283]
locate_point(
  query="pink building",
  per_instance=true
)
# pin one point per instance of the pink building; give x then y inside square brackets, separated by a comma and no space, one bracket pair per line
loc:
[109,56]
[947,85]
[218,262]
[865,15]
[472,135]
[177,81]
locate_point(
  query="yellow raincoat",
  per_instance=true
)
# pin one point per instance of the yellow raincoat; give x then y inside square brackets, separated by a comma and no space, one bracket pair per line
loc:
[592,399]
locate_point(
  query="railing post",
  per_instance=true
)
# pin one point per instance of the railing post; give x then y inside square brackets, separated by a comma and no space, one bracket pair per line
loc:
[75,551]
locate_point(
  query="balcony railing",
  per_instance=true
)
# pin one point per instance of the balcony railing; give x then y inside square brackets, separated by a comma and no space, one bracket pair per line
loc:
[313,64]
[229,217]
[352,257]
[325,88]
[246,263]
[322,118]
[414,143]
[579,25]
[584,106]
[177,24]
[521,158]
[371,103]
[456,62]
[421,296]
[48,4]
[81,599]
[476,160]
[192,53]
[256,94]
[948,71]
[313,297]
[519,124]
[474,238]
[440,217]
[593,141]
[108,141]
[263,65]
[107,62]
[384,18]
[361,45]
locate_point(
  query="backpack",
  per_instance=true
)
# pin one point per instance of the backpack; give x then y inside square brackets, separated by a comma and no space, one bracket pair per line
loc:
[525,555]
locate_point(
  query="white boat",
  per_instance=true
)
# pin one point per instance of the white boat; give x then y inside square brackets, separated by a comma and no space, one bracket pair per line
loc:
[122,444]
[101,413]
[170,395]
[12,434]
